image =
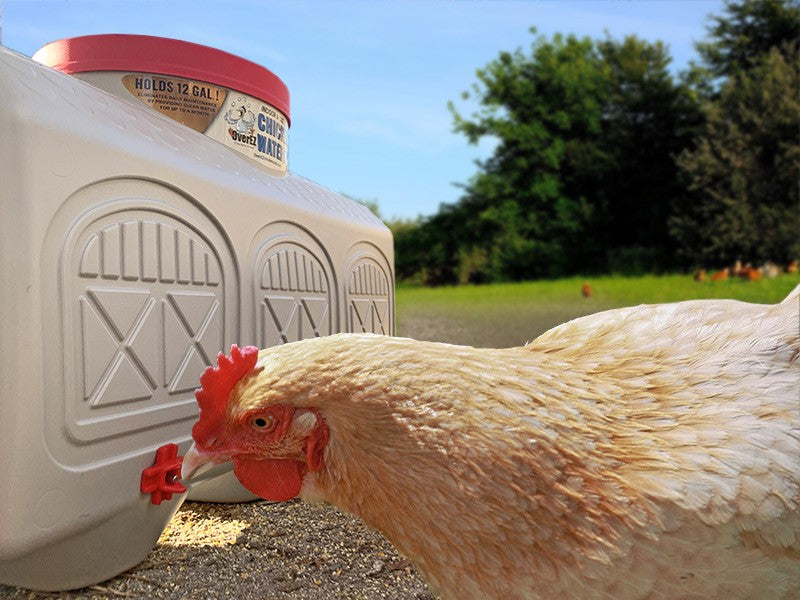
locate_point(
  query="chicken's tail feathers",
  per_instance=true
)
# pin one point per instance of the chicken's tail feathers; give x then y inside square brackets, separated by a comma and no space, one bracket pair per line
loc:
[793,296]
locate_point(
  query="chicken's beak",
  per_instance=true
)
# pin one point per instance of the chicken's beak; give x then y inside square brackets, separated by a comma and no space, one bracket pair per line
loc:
[197,462]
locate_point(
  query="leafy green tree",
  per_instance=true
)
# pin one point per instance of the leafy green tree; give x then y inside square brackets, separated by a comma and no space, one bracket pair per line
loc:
[528,203]
[742,175]
[743,200]
[648,119]
[409,250]
[746,32]
[582,175]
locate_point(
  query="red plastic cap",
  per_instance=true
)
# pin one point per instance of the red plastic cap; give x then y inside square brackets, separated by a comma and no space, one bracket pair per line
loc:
[165,56]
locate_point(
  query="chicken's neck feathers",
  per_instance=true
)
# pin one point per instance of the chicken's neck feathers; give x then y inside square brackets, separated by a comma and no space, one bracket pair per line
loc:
[571,446]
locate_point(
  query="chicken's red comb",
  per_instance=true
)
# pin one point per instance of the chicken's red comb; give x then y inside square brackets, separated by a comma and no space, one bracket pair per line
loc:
[216,385]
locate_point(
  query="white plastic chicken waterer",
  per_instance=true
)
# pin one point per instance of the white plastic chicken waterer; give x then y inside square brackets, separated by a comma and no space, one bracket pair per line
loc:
[147,222]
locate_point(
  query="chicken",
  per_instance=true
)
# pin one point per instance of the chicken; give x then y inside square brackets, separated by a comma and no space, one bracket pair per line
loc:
[751,274]
[721,275]
[646,452]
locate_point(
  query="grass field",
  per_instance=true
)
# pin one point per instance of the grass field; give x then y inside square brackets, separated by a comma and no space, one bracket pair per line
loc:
[510,314]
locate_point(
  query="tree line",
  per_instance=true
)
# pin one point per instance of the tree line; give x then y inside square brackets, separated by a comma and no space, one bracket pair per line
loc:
[606,162]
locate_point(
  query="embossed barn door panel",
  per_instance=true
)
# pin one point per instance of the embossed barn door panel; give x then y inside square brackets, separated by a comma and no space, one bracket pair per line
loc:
[145,304]
[293,295]
[370,306]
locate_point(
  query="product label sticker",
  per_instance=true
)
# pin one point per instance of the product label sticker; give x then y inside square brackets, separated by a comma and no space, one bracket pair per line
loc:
[242,122]
[254,128]
[193,103]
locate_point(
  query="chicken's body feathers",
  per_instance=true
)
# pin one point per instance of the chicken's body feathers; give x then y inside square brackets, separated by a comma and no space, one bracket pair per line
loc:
[649,452]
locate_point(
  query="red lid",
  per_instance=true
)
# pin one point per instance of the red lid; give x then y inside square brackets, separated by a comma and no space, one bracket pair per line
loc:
[165,56]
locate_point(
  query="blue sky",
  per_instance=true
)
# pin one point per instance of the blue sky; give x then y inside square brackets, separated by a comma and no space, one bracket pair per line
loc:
[369,81]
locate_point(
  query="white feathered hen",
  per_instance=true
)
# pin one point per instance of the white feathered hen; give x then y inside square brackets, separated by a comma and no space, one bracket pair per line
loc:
[651,452]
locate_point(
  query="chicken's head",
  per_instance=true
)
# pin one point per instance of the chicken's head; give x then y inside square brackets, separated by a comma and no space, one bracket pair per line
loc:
[272,444]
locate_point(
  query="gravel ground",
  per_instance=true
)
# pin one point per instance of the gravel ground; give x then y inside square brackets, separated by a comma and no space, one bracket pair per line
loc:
[260,551]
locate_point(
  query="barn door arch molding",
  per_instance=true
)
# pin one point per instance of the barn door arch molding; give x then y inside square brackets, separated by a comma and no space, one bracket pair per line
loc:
[369,291]
[295,291]
[147,291]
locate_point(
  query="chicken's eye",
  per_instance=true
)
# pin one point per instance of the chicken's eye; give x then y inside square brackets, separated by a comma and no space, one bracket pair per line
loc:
[261,422]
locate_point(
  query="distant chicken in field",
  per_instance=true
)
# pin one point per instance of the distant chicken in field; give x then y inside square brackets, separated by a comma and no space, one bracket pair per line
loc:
[647,452]
[586,290]
[750,273]
[721,275]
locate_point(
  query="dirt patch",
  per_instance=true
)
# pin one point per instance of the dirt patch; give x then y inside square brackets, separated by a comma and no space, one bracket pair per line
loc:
[260,551]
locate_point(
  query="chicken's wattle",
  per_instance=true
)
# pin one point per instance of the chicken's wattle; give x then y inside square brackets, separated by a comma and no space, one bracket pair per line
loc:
[272,479]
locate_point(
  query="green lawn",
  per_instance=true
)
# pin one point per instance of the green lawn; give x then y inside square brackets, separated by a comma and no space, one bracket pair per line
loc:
[510,314]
